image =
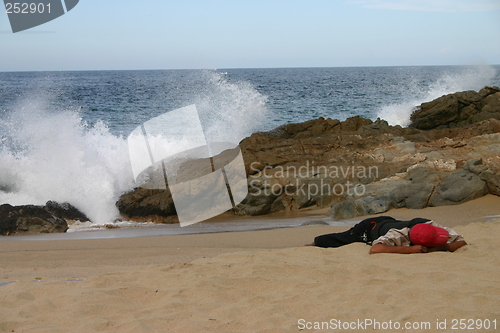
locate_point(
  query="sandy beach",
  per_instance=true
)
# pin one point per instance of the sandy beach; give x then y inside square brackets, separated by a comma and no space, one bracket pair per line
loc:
[258,281]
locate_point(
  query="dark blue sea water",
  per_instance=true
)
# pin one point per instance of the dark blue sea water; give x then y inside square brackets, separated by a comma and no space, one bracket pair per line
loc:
[63,134]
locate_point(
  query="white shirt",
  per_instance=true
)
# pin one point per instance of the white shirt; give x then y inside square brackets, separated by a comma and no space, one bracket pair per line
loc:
[401,237]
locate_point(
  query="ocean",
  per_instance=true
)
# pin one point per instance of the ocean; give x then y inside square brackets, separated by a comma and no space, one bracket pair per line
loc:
[63,134]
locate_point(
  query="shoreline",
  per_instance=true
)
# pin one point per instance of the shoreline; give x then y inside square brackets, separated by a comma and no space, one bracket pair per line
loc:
[481,210]
[476,210]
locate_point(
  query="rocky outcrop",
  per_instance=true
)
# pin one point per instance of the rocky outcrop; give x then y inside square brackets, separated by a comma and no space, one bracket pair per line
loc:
[53,217]
[420,186]
[458,109]
[317,141]
[381,171]
[148,205]
[450,154]
[65,211]
[29,219]
[291,167]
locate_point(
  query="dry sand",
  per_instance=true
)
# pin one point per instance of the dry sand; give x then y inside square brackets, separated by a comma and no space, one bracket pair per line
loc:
[259,281]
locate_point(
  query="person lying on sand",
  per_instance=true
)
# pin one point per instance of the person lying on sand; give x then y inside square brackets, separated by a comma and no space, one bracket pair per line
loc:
[388,235]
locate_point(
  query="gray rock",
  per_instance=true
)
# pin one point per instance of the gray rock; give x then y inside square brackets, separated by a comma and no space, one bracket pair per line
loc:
[314,222]
[475,166]
[378,189]
[492,180]
[413,196]
[491,177]
[459,187]
[424,175]
[364,206]
[344,210]
[375,205]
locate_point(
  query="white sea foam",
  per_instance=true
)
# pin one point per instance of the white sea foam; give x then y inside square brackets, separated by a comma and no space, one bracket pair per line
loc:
[229,111]
[54,155]
[472,78]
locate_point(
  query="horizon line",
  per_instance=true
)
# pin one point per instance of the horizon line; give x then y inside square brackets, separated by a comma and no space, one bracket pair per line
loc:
[235,68]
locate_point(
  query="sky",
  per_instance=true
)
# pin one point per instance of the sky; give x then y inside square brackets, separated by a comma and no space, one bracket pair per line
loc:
[209,34]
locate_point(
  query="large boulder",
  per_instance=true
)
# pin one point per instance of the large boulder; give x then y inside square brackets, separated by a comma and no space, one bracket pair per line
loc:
[457,188]
[489,173]
[29,219]
[143,204]
[458,109]
[404,190]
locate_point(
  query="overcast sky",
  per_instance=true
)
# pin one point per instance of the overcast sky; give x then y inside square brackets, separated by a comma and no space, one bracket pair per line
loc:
[167,34]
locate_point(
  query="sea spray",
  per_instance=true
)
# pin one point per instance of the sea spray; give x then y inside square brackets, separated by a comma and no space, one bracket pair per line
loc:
[49,153]
[56,156]
[469,78]
[229,111]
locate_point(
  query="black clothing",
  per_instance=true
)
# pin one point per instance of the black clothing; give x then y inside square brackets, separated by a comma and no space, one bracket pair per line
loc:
[365,231]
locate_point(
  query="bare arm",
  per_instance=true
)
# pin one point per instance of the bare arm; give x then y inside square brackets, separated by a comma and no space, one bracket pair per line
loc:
[452,247]
[383,248]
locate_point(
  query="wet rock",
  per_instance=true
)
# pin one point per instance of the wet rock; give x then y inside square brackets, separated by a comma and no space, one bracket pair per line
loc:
[458,109]
[65,211]
[29,219]
[314,222]
[148,205]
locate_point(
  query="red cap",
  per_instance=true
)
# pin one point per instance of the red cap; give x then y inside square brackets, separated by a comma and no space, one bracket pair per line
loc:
[428,235]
